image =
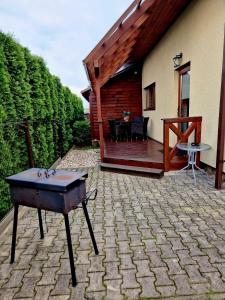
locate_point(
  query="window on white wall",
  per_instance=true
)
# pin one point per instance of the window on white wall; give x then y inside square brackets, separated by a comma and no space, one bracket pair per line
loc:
[150,103]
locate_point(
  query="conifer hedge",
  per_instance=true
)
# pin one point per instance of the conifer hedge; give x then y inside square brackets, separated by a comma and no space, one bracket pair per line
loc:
[29,92]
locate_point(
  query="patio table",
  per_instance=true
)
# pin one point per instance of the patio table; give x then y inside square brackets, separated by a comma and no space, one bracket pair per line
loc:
[122,129]
[125,127]
[192,150]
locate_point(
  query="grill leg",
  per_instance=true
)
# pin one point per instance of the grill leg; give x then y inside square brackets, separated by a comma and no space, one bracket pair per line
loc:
[90,227]
[40,224]
[70,249]
[15,220]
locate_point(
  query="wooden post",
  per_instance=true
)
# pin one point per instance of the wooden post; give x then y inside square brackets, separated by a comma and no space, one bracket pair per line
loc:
[198,139]
[166,127]
[29,144]
[221,128]
[100,122]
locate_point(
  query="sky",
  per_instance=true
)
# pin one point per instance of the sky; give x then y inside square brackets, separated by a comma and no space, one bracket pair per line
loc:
[63,32]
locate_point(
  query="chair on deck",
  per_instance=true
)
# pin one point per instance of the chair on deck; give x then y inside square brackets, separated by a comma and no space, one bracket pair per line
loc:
[125,130]
[139,127]
[114,126]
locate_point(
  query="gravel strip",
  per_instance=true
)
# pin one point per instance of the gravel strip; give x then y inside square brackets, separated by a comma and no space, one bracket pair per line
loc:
[80,158]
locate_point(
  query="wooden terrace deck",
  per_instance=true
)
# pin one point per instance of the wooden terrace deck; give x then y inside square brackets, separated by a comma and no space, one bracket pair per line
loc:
[147,154]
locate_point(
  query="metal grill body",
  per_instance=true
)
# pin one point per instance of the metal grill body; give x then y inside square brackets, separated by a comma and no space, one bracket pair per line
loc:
[60,202]
[60,192]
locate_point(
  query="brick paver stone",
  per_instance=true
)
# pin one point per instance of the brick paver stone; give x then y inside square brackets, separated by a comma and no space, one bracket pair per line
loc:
[162,278]
[15,279]
[48,276]
[43,292]
[148,287]
[132,293]
[113,289]
[8,294]
[183,286]
[28,288]
[96,282]
[112,271]
[129,279]
[126,262]
[143,268]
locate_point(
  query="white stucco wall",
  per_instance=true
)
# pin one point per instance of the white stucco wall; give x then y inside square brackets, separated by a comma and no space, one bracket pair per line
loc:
[198,34]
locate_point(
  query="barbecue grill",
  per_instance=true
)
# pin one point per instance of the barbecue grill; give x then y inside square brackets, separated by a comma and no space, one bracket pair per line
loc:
[58,191]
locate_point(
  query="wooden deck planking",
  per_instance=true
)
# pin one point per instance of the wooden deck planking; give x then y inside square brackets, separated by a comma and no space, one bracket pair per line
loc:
[136,150]
[148,153]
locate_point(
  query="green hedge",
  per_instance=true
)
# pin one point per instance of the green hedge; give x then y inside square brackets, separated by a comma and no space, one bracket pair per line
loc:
[29,92]
[82,133]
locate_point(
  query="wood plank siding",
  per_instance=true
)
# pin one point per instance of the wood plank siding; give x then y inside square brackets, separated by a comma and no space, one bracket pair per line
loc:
[121,93]
[93,116]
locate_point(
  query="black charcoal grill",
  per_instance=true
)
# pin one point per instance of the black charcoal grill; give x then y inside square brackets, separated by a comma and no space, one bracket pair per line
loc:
[58,191]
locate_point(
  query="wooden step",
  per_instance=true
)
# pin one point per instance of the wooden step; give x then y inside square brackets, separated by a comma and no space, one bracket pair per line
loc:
[135,162]
[132,170]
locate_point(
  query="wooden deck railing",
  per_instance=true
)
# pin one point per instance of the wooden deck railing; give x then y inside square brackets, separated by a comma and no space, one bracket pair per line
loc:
[194,124]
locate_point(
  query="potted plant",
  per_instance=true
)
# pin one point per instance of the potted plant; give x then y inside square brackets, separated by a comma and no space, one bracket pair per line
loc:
[126,115]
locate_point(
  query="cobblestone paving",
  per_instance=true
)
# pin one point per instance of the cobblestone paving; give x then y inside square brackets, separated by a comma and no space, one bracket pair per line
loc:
[158,239]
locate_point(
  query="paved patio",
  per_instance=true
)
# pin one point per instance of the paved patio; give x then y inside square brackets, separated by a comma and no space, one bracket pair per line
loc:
[157,239]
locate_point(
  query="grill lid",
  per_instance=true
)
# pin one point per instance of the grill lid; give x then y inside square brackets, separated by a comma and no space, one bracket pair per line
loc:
[58,180]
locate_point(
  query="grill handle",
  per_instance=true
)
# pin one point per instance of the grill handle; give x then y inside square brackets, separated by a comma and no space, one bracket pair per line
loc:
[91,195]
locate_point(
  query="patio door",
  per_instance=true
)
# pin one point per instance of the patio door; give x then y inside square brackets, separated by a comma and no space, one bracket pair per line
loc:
[184,94]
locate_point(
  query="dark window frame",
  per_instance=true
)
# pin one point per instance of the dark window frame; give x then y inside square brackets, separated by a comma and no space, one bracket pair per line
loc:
[150,98]
[182,70]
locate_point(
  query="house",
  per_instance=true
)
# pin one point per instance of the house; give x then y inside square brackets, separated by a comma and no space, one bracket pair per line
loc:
[164,60]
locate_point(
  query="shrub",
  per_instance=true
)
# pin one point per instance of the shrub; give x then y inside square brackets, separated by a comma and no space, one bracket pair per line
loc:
[82,133]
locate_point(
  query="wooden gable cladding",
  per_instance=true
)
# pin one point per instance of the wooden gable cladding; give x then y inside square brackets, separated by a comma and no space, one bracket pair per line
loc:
[160,19]
[132,37]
